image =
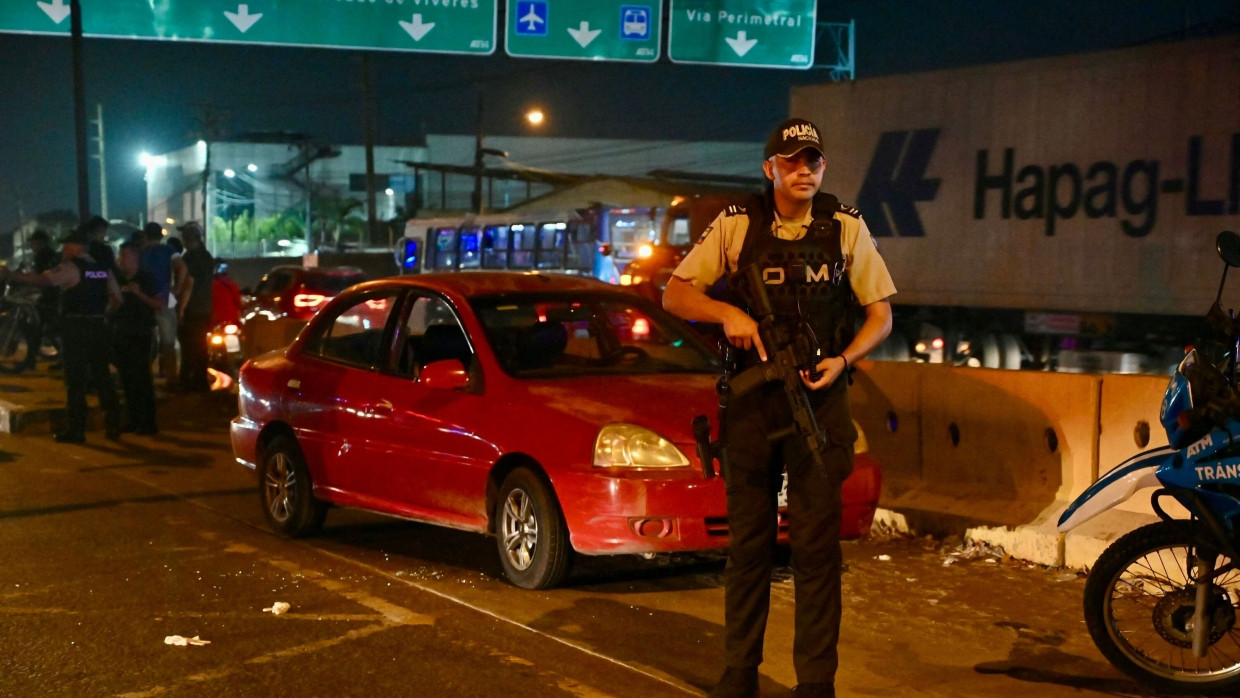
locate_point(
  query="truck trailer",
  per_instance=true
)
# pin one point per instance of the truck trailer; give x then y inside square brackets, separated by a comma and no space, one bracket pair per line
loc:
[1051,213]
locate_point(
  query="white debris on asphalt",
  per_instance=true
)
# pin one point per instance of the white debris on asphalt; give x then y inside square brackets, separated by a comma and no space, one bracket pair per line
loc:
[973,550]
[277,608]
[183,641]
[884,557]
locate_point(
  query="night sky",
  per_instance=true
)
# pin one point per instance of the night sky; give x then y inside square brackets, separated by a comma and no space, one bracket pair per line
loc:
[155,95]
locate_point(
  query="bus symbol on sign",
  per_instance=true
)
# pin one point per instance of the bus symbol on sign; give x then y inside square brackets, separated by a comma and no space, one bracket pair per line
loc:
[635,22]
[532,18]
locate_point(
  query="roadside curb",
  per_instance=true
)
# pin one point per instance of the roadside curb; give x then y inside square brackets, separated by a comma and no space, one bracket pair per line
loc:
[1040,541]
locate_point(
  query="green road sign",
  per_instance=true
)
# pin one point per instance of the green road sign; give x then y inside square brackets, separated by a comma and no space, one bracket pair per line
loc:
[608,30]
[752,33]
[435,26]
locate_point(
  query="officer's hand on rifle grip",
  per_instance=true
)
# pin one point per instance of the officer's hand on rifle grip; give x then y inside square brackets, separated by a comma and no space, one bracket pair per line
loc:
[830,369]
[742,331]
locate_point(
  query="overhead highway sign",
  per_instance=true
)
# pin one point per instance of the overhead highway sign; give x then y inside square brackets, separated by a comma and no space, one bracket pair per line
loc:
[749,33]
[598,30]
[432,26]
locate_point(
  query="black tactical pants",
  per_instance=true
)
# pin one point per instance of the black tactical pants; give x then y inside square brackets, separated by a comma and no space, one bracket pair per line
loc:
[192,333]
[754,478]
[87,351]
[133,362]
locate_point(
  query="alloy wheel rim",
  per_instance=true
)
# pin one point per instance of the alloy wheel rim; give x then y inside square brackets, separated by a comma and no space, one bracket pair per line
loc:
[278,487]
[519,524]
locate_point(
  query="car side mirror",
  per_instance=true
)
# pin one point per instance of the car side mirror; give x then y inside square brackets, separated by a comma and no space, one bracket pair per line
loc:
[448,374]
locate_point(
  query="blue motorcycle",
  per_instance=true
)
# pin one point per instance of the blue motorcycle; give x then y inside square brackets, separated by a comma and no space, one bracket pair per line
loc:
[1160,603]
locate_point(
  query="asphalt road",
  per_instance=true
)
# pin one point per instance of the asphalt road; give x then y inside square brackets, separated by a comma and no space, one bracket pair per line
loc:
[108,549]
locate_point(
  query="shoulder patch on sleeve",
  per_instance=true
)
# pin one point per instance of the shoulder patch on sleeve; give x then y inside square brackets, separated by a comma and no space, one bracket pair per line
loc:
[735,210]
[850,210]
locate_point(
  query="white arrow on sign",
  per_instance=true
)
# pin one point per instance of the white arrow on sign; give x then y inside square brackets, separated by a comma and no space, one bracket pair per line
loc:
[56,9]
[584,35]
[417,29]
[741,44]
[242,19]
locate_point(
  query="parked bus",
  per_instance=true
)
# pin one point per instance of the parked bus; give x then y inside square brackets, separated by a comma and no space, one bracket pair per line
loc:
[597,241]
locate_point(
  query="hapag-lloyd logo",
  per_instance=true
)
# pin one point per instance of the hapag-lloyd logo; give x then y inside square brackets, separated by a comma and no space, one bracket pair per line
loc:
[897,180]
[1128,192]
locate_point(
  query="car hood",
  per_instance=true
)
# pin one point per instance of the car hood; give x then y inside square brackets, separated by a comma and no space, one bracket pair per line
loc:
[665,403]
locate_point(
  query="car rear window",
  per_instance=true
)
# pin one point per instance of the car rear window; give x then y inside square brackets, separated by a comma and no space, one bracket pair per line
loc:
[331,283]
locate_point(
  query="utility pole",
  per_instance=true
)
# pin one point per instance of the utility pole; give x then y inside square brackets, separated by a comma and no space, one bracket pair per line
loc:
[211,131]
[79,108]
[479,154]
[477,197]
[103,169]
[368,135]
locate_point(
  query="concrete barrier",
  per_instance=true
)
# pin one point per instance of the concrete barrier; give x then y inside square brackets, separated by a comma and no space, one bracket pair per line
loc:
[998,455]
[987,452]
[886,401]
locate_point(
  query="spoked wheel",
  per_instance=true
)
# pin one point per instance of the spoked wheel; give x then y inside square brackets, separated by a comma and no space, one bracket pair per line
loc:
[285,488]
[1139,607]
[530,532]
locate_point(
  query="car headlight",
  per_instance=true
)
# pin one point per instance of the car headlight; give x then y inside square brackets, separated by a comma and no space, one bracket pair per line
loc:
[629,446]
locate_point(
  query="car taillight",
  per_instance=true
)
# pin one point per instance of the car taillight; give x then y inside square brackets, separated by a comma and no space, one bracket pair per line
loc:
[231,329]
[308,300]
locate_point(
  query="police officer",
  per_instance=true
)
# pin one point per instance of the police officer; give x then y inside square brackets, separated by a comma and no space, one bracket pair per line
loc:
[819,262]
[88,291]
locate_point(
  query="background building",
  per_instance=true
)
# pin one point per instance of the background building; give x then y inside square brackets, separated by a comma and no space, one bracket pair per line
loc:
[254,195]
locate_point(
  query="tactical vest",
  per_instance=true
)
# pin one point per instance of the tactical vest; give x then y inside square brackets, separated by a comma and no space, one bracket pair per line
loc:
[90,295]
[806,279]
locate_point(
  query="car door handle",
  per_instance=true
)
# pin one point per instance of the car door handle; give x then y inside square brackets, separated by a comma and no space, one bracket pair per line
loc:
[381,407]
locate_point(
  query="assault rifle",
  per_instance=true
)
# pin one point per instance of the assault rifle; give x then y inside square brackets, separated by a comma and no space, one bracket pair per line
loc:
[789,351]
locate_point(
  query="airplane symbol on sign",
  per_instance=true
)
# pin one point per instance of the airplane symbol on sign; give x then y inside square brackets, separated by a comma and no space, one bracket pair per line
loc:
[532,18]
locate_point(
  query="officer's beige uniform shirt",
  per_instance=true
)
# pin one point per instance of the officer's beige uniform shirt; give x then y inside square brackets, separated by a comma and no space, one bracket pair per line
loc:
[719,247]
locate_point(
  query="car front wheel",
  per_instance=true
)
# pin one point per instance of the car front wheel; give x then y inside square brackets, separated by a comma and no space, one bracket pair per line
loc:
[285,488]
[530,532]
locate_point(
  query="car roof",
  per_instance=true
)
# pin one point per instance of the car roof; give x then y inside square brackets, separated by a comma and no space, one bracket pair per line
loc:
[342,271]
[486,283]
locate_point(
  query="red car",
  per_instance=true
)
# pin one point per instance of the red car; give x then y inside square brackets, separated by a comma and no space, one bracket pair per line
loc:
[285,298]
[551,412]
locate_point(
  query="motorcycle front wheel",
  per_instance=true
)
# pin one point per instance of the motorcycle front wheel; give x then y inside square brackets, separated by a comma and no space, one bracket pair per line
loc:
[1139,603]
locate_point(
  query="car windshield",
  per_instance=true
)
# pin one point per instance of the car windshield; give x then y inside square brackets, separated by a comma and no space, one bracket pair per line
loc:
[550,335]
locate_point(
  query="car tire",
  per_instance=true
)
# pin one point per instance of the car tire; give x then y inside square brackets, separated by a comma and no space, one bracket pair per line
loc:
[286,491]
[530,532]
